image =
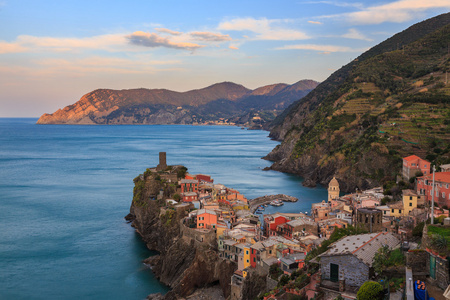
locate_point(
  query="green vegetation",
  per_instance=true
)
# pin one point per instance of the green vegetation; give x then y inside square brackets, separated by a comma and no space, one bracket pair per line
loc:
[370,290]
[275,271]
[439,239]
[138,193]
[385,257]
[385,105]
[181,172]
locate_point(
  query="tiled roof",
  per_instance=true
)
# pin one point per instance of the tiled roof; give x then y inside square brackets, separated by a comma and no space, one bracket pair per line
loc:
[300,222]
[206,211]
[189,181]
[438,177]
[411,158]
[396,205]
[363,246]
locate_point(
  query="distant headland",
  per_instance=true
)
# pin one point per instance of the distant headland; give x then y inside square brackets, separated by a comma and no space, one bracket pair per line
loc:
[223,103]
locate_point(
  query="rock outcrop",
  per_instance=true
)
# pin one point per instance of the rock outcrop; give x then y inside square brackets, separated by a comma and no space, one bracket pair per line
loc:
[183,263]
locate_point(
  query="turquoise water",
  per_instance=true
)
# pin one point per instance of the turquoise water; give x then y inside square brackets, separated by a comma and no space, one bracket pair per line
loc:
[64,191]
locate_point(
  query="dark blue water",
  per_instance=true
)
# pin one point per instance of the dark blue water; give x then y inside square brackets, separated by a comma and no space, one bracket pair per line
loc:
[64,191]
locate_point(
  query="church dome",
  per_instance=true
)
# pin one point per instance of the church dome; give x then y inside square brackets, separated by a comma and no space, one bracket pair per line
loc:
[334,182]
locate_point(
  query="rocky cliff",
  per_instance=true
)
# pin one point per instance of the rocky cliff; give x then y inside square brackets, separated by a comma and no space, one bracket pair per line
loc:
[183,263]
[390,102]
[219,102]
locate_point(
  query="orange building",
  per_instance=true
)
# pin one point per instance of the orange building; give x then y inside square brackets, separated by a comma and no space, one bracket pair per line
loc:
[206,218]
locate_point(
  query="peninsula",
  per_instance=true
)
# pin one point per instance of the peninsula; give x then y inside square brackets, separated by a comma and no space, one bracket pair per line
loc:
[223,103]
[210,242]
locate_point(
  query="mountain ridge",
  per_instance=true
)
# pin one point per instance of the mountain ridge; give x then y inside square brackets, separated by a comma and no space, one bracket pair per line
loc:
[390,102]
[161,106]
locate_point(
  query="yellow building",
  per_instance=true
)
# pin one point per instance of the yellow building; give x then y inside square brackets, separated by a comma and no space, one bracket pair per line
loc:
[246,256]
[397,209]
[409,201]
[333,189]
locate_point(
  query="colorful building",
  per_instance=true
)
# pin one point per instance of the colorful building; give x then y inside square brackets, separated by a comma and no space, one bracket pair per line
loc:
[413,164]
[189,185]
[409,201]
[206,218]
[441,188]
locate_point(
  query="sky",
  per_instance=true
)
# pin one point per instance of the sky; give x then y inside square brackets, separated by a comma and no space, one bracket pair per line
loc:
[54,52]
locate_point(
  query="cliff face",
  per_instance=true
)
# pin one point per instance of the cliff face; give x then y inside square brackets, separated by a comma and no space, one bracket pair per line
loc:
[384,105]
[184,264]
[158,106]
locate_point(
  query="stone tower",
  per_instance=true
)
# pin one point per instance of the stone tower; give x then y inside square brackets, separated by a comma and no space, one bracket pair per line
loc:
[162,162]
[333,189]
[371,219]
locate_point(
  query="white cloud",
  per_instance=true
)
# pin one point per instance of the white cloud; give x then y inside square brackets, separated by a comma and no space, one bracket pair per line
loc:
[210,36]
[320,48]
[153,40]
[264,29]
[356,35]
[315,22]
[396,12]
[6,47]
[338,3]
[165,30]
[233,48]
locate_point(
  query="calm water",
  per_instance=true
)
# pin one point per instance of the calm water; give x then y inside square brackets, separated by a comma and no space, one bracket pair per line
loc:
[64,191]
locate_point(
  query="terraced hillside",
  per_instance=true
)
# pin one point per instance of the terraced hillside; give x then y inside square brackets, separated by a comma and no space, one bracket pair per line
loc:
[390,105]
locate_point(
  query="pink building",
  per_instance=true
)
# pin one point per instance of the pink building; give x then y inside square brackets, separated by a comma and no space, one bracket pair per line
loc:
[441,189]
[413,164]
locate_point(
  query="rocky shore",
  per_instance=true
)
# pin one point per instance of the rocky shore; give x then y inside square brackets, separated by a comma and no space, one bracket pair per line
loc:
[183,264]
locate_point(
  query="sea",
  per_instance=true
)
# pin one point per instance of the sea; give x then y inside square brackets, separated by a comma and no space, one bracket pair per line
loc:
[64,192]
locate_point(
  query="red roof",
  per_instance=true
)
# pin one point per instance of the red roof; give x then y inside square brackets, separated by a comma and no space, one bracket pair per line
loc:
[439,176]
[411,158]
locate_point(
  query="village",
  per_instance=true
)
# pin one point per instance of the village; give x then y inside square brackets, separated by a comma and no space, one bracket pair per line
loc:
[333,251]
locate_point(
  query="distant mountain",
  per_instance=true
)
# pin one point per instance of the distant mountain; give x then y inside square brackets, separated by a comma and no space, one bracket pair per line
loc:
[221,103]
[390,102]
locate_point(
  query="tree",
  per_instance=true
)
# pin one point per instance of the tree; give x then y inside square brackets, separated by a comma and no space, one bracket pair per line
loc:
[370,290]
[381,258]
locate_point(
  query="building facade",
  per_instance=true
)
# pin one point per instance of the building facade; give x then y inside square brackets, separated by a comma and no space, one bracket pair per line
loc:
[413,164]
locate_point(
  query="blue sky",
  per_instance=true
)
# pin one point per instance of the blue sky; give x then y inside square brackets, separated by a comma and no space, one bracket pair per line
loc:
[53,52]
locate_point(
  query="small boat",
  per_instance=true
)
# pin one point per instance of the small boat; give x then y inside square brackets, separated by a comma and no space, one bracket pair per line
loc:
[258,212]
[261,207]
[276,202]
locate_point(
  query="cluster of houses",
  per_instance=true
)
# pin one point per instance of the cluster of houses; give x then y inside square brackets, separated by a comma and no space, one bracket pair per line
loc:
[257,242]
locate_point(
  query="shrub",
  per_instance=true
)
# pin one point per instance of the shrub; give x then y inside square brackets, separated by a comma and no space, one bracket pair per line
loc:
[370,290]
[418,230]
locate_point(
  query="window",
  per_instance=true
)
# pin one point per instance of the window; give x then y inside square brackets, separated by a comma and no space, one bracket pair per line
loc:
[246,252]
[399,211]
[392,210]
[248,261]
[254,259]
[443,194]
[384,212]
[410,203]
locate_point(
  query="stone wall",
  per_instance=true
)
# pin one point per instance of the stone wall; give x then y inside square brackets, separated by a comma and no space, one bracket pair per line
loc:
[351,269]
[416,259]
[200,236]
[270,283]
[441,279]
